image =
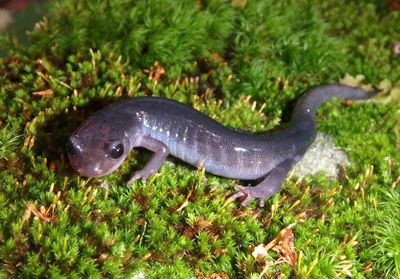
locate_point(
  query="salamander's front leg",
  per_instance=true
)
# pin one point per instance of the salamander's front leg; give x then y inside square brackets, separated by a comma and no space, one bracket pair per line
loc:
[160,154]
[267,187]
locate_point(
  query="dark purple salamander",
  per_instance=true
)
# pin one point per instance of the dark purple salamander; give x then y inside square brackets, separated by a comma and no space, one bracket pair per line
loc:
[165,127]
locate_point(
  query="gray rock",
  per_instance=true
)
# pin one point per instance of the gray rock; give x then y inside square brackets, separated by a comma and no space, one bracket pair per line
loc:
[322,156]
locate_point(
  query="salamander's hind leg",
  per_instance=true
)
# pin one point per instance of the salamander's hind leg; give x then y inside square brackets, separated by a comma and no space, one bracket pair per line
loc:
[267,187]
[160,154]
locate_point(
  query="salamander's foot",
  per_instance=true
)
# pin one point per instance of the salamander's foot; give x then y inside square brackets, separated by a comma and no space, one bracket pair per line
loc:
[250,193]
[140,174]
[160,153]
[267,187]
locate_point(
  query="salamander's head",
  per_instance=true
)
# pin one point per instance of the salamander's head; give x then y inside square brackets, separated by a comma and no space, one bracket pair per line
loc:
[98,147]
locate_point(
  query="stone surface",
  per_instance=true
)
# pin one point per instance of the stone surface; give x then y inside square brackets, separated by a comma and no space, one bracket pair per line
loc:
[322,156]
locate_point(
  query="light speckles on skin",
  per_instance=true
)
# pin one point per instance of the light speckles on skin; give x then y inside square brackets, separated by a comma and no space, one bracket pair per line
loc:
[145,122]
[212,134]
[141,114]
[97,168]
[185,134]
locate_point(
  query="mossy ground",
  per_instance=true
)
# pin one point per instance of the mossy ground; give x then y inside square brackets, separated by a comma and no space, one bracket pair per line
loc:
[243,63]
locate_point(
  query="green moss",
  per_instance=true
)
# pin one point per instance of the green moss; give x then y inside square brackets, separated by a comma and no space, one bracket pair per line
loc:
[386,250]
[9,141]
[244,67]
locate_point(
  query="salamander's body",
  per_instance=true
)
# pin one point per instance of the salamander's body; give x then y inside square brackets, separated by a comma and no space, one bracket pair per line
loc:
[165,127]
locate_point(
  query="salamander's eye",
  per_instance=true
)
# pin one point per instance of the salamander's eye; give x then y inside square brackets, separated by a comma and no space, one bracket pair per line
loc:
[115,149]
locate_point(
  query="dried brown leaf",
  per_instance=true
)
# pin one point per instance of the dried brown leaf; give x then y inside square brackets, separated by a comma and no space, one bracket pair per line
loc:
[155,72]
[283,245]
[220,251]
[31,209]
[214,276]
[44,93]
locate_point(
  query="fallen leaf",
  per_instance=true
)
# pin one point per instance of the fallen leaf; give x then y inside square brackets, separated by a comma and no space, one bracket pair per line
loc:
[147,256]
[103,257]
[283,245]
[214,276]
[239,4]
[43,93]
[155,72]
[31,208]
[285,248]
[356,82]
[220,251]
[392,93]
[352,81]
[52,166]
[216,57]
[385,85]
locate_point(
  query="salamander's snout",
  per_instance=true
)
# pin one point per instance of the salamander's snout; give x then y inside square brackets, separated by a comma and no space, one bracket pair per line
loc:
[73,146]
[93,156]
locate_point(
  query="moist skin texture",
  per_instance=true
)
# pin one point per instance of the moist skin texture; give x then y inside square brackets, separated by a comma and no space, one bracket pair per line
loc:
[166,127]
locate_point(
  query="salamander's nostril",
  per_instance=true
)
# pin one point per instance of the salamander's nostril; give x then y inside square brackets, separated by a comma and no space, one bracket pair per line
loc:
[69,147]
[72,146]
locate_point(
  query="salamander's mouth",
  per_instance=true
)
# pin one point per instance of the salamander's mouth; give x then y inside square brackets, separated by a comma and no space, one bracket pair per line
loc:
[87,168]
[84,162]
[90,157]
[89,172]
[92,166]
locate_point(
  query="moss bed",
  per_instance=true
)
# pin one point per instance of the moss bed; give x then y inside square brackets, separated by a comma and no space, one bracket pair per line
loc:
[242,62]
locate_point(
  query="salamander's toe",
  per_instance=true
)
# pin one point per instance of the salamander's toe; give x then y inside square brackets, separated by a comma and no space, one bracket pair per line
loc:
[141,174]
[249,193]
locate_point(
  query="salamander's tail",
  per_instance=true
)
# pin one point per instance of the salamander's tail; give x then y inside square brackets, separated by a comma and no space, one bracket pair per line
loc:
[306,107]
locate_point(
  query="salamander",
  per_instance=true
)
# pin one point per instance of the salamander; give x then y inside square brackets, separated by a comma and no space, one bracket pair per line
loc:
[164,126]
